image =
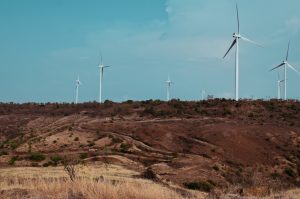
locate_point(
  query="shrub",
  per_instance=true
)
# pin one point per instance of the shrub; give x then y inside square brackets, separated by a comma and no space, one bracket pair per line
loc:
[76,139]
[116,140]
[216,168]
[226,111]
[83,155]
[13,160]
[200,186]
[37,156]
[3,153]
[290,172]
[56,159]
[149,174]
[14,145]
[275,175]
[125,147]
[91,144]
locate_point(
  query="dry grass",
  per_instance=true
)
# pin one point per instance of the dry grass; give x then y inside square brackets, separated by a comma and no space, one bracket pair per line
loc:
[91,183]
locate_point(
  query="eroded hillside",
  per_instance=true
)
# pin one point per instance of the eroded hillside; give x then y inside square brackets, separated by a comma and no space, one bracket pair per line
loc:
[219,143]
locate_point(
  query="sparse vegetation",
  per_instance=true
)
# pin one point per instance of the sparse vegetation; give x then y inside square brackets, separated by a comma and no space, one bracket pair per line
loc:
[37,157]
[13,160]
[200,186]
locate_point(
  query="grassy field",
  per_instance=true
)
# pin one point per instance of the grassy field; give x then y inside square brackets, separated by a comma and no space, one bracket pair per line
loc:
[112,182]
[91,182]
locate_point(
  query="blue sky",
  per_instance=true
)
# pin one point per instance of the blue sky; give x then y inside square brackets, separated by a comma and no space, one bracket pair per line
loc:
[44,45]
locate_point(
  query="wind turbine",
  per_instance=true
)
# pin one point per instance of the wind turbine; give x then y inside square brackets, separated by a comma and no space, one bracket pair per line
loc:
[279,87]
[78,83]
[202,94]
[169,82]
[101,69]
[286,64]
[237,36]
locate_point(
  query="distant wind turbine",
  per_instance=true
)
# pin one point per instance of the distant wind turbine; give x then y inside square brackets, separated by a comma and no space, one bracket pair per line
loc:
[101,68]
[279,81]
[78,83]
[202,94]
[169,82]
[285,64]
[236,37]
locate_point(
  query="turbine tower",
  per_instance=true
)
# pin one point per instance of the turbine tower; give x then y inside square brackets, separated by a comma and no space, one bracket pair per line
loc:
[78,83]
[202,94]
[101,69]
[169,82]
[237,36]
[285,64]
[279,87]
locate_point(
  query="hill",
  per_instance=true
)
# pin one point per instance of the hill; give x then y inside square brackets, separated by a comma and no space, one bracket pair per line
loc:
[245,147]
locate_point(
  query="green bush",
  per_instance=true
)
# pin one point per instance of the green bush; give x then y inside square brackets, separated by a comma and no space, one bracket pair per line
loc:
[37,157]
[13,160]
[56,159]
[200,186]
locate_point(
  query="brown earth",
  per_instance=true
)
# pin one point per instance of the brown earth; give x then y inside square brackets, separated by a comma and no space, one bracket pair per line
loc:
[227,144]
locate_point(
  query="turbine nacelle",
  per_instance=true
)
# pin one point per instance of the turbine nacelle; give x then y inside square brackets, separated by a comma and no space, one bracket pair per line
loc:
[235,35]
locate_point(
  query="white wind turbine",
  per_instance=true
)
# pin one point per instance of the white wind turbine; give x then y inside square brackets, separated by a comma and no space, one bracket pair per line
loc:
[279,87]
[101,68]
[236,37]
[202,94]
[285,64]
[78,83]
[169,82]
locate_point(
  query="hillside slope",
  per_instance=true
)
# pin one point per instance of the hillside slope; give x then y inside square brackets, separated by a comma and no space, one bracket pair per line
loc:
[222,143]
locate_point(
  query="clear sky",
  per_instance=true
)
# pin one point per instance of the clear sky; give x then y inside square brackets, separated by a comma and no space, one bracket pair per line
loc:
[44,45]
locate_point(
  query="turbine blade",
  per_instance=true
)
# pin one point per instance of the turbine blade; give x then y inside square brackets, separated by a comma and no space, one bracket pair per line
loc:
[106,66]
[238,18]
[250,41]
[277,66]
[287,52]
[233,43]
[294,69]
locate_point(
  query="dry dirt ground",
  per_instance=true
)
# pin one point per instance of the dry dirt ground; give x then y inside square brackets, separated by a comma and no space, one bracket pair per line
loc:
[245,148]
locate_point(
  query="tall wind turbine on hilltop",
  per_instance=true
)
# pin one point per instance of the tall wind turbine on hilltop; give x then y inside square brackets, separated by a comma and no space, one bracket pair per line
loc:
[236,37]
[101,69]
[279,81]
[78,83]
[169,82]
[285,64]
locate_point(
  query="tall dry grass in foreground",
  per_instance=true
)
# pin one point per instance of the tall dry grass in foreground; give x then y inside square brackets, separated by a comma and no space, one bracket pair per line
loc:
[98,183]
[85,188]
[39,183]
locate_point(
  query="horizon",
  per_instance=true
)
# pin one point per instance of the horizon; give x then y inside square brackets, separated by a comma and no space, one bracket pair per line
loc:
[47,45]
